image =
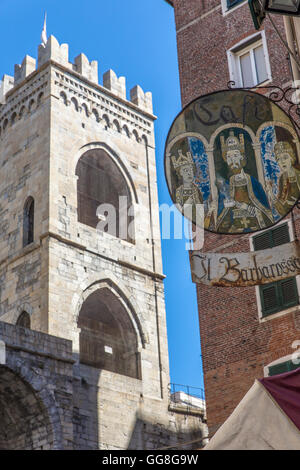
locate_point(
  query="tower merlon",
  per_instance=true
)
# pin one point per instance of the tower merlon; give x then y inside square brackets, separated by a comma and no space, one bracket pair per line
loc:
[141,99]
[54,51]
[88,69]
[6,84]
[115,84]
[26,68]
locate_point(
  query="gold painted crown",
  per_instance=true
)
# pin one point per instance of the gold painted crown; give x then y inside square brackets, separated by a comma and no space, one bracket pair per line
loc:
[232,143]
[284,147]
[182,160]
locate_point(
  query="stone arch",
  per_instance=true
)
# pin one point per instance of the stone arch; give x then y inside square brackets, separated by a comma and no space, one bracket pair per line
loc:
[75,103]
[117,157]
[31,105]
[24,320]
[135,134]
[63,96]
[116,125]
[39,98]
[125,131]
[103,195]
[29,418]
[13,118]
[107,277]
[106,121]
[22,111]
[95,115]
[85,109]
[110,335]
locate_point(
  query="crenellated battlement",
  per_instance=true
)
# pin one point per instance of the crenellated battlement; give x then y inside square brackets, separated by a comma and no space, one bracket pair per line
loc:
[6,84]
[59,53]
[26,68]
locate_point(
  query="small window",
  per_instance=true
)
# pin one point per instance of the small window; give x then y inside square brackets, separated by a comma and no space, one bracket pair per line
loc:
[233,3]
[228,5]
[279,295]
[28,222]
[248,62]
[24,320]
[282,367]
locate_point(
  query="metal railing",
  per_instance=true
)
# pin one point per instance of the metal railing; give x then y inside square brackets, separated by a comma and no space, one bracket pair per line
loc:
[187,397]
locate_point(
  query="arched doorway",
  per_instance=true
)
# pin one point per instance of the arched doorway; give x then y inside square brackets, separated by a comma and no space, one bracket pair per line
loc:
[24,421]
[108,339]
[101,182]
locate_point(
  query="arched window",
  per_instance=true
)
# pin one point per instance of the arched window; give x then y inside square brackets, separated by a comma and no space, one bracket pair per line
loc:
[24,320]
[100,182]
[28,222]
[107,338]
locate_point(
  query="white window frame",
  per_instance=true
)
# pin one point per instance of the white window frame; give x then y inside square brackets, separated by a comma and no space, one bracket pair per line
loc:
[281,360]
[226,10]
[235,52]
[262,319]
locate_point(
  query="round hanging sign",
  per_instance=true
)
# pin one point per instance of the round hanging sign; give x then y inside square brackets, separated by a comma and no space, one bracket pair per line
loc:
[232,162]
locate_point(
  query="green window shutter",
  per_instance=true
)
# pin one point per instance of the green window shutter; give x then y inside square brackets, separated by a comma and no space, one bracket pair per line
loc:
[289,292]
[287,366]
[263,241]
[270,298]
[279,295]
[274,237]
[280,235]
[278,368]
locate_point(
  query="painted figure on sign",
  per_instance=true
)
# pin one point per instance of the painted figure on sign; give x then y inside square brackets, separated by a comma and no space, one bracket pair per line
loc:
[246,208]
[289,181]
[188,192]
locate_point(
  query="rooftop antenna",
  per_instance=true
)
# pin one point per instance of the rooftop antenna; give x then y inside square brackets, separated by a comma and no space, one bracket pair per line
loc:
[44,32]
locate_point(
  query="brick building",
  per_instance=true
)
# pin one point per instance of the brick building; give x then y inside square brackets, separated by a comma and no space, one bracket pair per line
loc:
[81,307]
[245,332]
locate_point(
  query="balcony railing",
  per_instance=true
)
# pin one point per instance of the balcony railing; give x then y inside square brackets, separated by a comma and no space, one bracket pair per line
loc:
[187,399]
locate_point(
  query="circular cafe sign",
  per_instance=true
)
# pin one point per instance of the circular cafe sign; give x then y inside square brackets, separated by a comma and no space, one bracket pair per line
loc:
[232,162]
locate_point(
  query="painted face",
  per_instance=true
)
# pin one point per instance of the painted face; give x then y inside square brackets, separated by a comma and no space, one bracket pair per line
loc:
[187,173]
[234,159]
[284,160]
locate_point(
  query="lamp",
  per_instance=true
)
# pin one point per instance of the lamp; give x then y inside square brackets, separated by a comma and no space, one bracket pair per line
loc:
[282,7]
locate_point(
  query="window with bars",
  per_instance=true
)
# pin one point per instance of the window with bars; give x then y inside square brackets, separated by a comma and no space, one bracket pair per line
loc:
[279,295]
[282,367]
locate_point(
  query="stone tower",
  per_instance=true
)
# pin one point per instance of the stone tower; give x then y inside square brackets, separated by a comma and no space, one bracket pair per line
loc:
[68,145]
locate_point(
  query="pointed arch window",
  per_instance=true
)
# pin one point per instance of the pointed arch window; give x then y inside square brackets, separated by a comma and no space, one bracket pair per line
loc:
[28,222]
[108,339]
[24,320]
[101,182]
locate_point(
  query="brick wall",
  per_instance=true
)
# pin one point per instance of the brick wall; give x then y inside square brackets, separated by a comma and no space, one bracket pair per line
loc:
[236,345]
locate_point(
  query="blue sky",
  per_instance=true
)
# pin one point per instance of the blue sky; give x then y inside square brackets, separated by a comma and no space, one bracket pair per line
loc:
[136,38]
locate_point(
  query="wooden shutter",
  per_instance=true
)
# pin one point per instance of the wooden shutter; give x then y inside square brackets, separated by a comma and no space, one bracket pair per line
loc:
[274,237]
[280,235]
[263,241]
[287,366]
[270,298]
[289,292]
[278,295]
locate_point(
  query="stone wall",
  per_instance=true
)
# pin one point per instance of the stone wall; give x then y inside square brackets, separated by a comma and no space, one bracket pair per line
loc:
[36,390]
